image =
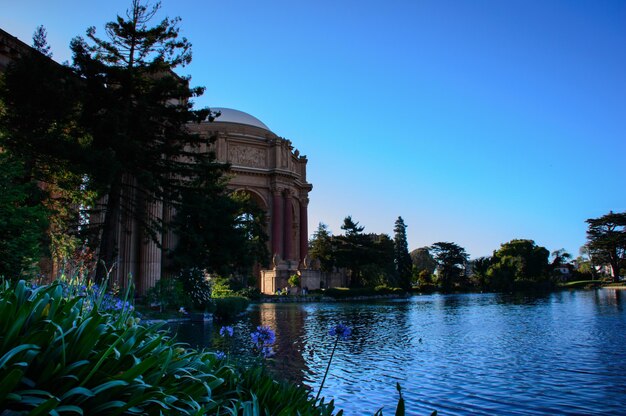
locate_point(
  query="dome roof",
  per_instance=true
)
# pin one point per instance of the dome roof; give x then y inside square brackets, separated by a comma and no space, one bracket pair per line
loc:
[230,115]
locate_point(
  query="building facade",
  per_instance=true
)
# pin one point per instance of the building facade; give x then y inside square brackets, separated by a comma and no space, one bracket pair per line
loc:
[262,164]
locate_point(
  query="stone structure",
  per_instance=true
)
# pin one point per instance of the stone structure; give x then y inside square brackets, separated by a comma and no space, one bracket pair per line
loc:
[273,173]
[264,165]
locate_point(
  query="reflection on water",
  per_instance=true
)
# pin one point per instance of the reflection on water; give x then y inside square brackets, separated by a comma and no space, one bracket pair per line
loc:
[479,354]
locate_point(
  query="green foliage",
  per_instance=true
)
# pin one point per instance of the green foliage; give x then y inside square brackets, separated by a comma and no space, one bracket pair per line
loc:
[221,287]
[368,257]
[259,394]
[518,265]
[222,235]
[402,259]
[55,356]
[321,248]
[197,287]
[249,292]
[480,270]
[23,221]
[59,357]
[294,280]
[451,263]
[168,293]
[230,307]
[422,260]
[606,241]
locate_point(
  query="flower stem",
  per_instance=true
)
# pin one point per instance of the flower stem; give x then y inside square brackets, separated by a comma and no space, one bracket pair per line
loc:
[330,360]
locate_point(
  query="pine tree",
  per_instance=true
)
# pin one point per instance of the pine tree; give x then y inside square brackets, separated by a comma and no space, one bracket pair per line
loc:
[321,248]
[136,111]
[40,41]
[402,259]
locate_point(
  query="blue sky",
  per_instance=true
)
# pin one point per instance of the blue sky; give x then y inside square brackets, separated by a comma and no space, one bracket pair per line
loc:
[476,121]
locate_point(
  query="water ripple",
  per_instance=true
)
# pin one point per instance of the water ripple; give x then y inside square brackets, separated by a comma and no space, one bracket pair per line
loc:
[480,354]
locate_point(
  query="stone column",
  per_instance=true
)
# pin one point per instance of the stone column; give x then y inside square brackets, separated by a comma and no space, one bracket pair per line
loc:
[288,236]
[277,223]
[304,229]
[150,265]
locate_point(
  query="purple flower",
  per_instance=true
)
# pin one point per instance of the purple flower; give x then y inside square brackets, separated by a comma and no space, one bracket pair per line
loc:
[220,355]
[267,352]
[340,330]
[263,336]
[226,331]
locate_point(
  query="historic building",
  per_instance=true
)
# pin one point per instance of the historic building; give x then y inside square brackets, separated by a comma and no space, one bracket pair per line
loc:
[268,168]
[263,164]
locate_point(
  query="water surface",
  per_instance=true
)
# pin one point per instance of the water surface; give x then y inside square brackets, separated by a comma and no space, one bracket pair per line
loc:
[479,354]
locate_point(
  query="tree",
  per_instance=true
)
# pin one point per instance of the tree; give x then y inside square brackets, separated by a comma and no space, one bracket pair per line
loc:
[352,249]
[516,262]
[402,259]
[136,112]
[422,261]
[23,221]
[560,257]
[321,248]
[40,41]
[480,269]
[378,267]
[451,262]
[606,240]
[223,236]
[39,121]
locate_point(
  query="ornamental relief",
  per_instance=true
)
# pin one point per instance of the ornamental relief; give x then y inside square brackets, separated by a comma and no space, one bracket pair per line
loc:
[247,156]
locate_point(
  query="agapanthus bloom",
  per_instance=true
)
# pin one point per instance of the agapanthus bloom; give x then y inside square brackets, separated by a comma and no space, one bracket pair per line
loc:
[340,330]
[226,331]
[220,355]
[267,352]
[263,338]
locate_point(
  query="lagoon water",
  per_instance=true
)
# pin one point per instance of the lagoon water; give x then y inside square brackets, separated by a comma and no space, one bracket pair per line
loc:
[471,354]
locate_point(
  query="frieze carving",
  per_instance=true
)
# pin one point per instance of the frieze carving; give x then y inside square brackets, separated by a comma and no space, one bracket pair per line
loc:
[247,156]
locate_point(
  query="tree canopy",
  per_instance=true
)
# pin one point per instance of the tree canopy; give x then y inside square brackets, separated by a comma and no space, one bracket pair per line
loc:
[402,259]
[606,241]
[518,261]
[451,263]
[112,127]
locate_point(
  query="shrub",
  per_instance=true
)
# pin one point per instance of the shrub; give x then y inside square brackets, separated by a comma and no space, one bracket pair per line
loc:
[58,356]
[197,287]
[167,293]
[229,307]
[251,293]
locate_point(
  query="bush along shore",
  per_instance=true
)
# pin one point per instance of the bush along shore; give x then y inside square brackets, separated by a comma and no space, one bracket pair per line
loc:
[74,349]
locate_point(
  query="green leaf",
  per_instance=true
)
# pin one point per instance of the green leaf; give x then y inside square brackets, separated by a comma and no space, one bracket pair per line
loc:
[78,391]
[8,383]
[108,385]
[12,352]
[70,408]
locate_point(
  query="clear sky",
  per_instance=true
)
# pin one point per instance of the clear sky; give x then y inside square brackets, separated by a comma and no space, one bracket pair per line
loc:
[477,121]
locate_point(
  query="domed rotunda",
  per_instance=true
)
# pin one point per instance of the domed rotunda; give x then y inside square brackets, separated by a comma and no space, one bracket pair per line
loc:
[273,173]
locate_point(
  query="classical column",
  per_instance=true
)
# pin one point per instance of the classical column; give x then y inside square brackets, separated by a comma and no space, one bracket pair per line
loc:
[304,229]
[170,239]
[277,223]
[288,226]
[150,264]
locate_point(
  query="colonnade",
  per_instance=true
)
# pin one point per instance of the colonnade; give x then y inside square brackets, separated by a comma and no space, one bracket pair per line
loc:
[283,225]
